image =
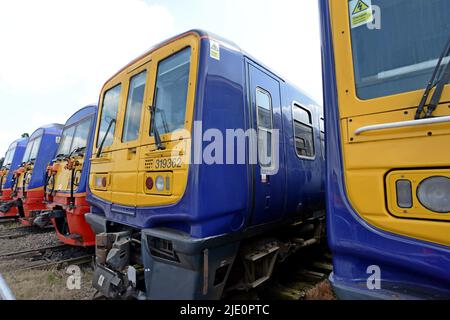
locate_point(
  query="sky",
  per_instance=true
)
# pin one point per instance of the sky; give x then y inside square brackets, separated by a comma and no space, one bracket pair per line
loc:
[55,55]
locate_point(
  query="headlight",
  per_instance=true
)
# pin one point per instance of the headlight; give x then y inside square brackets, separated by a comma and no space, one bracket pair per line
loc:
[159,183]
[434,194]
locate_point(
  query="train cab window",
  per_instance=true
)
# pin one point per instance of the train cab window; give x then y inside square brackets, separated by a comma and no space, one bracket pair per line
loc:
[32,150]
[134,107]
[66,141]
[109,115]
[74,138]
[81,135]
[265,126]
[322,136]
[171,92]
[303,131]
[9,156]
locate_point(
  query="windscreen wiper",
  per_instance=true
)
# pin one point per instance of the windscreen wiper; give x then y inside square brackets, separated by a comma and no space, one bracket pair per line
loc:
[76,150]
[439,84]
[437,95]
[154,128]
[100,148]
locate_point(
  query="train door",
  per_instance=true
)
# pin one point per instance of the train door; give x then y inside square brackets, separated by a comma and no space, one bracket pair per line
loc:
[102,161]
[126,153]
[269,173]
[114,169]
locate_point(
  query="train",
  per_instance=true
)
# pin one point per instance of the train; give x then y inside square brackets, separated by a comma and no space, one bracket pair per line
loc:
[12,161]
[176,213]
[27,196]
[65,183]
[386,97]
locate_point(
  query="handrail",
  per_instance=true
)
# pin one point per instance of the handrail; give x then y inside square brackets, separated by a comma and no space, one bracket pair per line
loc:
[5,291]
[402,124]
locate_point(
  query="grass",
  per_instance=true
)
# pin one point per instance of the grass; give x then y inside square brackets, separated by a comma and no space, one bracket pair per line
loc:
[47,285]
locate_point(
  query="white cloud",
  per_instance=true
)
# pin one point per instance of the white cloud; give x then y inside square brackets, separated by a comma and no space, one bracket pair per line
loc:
[55,55]
[51,44]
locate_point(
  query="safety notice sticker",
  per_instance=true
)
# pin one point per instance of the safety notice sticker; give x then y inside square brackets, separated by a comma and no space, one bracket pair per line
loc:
[360,12]
[214,50]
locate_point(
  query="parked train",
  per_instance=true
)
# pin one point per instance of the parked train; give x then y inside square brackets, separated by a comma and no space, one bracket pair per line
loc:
[29,179]
[11,163]
[388,161]
[173,223]
[65,185]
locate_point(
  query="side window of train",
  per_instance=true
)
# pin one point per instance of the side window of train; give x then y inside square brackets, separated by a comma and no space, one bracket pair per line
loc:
[322,136]
[133,111]
[109,116]
[265,127]
[303,132]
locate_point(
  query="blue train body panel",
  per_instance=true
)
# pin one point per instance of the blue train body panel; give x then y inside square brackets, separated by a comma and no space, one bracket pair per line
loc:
[49,144]
[20,146]
[411,269]
[220,199]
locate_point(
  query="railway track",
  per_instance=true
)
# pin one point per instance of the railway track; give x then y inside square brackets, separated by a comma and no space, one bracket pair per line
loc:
[301,277]
[22,231]
[6,220]
[85,259]
[32,251]
[50,256]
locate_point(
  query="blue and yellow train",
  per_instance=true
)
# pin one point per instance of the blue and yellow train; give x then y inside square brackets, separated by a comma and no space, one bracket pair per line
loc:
[66,181]
[179,212]
[12,161]
[388,132]
[27,195]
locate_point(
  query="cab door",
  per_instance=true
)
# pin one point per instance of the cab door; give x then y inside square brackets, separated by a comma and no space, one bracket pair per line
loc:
[269,174]
[126,151]
[102,162]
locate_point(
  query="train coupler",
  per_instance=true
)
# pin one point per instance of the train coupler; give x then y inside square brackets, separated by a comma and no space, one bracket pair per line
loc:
[114,277]
[43,218]
[6,206]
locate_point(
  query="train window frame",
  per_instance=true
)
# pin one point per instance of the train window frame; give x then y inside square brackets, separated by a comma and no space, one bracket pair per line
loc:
[75,126]
[142,72]
[166,136]
[322,133]
[11,151]
[32,143]
[99,122]
[267,93]
[296,104]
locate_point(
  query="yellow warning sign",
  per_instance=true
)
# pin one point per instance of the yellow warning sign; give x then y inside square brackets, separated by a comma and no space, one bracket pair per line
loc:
[360,6]
[214,51]
[360,12]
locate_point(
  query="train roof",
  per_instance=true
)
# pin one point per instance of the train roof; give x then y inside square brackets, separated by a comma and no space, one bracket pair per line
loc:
[53,129]
[22,142]
[84,112]
[223,41]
